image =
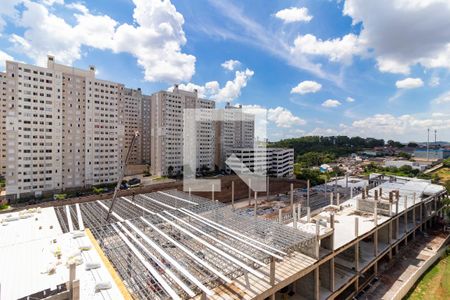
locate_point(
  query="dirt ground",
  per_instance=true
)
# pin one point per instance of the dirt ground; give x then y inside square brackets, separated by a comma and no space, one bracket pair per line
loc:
[277,185]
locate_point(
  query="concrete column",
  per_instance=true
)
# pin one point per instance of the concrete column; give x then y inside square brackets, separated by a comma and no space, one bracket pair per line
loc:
[294,216]
[232,194]
[317,284]
[351,192]
[190,192]
[292,195]
[256,204]
[299,211]
[375,243]
[375,213]
[331,198]
[272,271]
[249,192]
[308,214]
[317,239]
[308,186]
[325,189]
[421,216]
[267,187]
[212,189]
[338,199]
[356,244]
[280,216]
[332,279]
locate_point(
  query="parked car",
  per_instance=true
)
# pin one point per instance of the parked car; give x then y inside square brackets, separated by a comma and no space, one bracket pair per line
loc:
[134,182]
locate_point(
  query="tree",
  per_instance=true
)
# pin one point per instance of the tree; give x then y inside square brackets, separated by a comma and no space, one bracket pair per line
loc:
[413,145]
[405,155]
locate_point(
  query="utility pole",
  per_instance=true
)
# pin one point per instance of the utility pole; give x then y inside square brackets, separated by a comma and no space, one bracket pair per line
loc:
[119,182]
[428,145]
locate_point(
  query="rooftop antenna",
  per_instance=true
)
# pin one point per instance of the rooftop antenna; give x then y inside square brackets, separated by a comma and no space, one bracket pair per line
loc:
[428,145]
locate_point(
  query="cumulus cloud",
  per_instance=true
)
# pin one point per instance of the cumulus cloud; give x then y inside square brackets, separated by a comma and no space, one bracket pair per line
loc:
[387,126]
[434,81]
[350,99]
[230,64]
[443,98]
[409,83]
[331,103]
[336,50]
[398,34]
[284,118]
[306,87]
[294,14]
[3,58]
[230,91]
[280,116]
[155,38]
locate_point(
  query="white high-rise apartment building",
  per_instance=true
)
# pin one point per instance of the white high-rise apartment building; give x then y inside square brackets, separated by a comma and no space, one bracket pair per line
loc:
[132,119]
[34,129]
[3,112]
[167,109]
[146,129]
[62,128]
[236,130]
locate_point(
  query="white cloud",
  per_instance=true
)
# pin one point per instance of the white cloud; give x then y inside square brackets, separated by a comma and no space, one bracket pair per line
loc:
[336,50]
[211,90]
[155,38]
[284,118]
[409,83]
[400,37]
[331,103]
[306,87]
[388,126]
[232,89]
[443,98]
[52,2]
[156,41]
[434,81]
[230,64]
[3,58]
[294,14]
[350,99]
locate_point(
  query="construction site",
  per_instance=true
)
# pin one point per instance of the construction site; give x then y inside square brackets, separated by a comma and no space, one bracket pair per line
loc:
[170,244]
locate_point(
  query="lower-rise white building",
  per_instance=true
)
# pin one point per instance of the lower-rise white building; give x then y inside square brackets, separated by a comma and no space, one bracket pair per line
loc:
[276,162]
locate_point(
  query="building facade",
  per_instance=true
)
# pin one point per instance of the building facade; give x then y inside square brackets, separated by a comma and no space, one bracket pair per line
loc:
[234,129]
[132,120]
[62,128]
[276,162]
[146,129]
[34,129]
[432,154]
[167,123]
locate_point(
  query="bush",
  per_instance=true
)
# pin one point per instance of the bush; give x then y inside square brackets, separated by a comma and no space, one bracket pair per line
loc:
[59,196]
[314,176]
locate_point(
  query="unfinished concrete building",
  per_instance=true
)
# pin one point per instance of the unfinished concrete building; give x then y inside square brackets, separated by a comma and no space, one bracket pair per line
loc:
[175,245]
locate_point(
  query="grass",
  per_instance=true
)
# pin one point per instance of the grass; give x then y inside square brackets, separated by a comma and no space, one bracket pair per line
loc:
[434,284]
[2,183]
[443,174]
[4,206]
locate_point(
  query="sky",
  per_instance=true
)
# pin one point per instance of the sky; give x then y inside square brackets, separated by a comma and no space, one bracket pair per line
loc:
[373,68]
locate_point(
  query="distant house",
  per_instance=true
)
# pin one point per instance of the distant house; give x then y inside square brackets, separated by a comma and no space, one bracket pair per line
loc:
[325,168]
[401,163]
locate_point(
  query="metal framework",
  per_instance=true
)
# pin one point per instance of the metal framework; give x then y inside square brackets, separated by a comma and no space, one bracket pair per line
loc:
[170,244]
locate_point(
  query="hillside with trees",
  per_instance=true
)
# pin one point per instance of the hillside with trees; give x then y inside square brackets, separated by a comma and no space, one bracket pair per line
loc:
[315,150]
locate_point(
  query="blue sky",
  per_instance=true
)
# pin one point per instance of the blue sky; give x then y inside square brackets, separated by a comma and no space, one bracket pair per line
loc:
[372,68]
